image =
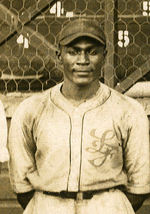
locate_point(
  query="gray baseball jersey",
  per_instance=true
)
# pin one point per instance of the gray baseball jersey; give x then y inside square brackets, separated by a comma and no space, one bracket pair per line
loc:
[102,143]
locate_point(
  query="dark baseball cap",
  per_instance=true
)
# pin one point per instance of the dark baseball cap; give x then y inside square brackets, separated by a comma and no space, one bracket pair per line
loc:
[79,28]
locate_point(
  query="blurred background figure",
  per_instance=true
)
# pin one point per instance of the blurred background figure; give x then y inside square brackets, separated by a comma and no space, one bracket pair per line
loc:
[3,136]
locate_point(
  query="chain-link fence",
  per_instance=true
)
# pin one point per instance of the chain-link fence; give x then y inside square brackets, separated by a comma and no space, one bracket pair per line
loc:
[29,32]
[28,41]
[132,47]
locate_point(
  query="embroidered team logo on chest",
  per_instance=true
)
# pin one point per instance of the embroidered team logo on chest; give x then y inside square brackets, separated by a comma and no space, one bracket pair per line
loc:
[103,147]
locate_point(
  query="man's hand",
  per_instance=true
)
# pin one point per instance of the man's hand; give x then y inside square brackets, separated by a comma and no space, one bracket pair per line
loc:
[24,198]
[136,200]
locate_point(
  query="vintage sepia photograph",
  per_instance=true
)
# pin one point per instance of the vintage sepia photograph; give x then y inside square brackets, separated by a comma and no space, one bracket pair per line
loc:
[74,106]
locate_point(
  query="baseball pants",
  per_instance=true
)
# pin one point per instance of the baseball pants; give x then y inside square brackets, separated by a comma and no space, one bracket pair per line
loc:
[112,201]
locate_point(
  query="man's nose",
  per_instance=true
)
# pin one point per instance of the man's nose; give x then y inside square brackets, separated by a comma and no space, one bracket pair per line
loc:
[83,58]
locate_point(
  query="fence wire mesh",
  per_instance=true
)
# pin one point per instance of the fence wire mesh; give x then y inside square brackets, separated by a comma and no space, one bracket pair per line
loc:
[29,33]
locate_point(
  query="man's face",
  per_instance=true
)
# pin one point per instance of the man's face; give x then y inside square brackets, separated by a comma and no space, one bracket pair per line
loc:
[82,61]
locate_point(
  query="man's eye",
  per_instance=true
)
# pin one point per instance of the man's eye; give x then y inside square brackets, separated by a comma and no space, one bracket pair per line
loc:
[72,52]
[93,52]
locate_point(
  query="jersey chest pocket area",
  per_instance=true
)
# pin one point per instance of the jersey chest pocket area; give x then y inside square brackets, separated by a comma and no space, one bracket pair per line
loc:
[104,146]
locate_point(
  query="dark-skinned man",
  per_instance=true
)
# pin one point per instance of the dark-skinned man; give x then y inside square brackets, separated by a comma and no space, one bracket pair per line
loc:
[80,147]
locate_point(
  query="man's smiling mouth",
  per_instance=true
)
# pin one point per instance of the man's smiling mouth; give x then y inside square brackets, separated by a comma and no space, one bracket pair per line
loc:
[82,71]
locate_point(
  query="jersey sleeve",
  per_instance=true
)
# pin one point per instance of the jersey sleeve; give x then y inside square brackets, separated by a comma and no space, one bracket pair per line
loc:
[137,151]
[21,148]
[4,156]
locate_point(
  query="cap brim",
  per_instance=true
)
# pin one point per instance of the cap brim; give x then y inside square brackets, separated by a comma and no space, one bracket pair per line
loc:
[71,38]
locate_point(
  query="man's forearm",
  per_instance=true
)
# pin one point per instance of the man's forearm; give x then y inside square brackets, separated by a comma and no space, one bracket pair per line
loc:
[136,200]
[24,198]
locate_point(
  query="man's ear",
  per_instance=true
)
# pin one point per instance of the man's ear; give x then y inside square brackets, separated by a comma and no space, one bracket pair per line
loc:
[59,58]
[105,52]
[105,56]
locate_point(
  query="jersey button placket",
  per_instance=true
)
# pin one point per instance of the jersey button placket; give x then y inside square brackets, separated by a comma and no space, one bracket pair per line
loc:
[76,120]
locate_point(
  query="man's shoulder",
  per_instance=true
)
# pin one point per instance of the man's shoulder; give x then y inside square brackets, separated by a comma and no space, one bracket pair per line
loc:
[35,100]
[32,105]
[35,103]
[125,102]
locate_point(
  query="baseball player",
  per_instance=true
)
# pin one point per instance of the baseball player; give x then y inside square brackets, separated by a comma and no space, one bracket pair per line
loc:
[4,156]
[80,147]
